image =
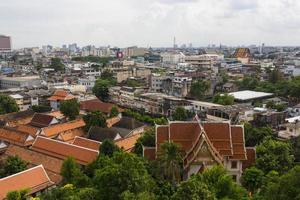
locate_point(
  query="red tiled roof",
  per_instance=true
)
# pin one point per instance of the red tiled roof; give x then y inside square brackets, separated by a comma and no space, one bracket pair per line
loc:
[220,136]
[54,130]
[162,135]
[97,105]
[68,136]
[128,143]
[13,136]
[35,179]
[33,131]
[251,157]
[149,153]
[63,150]
[60,95]
[87,143]
[52,165]
[238,143]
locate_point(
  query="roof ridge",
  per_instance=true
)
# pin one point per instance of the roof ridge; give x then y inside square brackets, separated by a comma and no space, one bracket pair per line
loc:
[24,171]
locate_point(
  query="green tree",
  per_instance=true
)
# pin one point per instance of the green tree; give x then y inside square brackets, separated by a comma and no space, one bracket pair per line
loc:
[221,184]
[285,187]
[41,108]
[57,65]
[124,172]
[248,83]
[252,179]
[114,111]
[95,118]
[7,104]
[13,165]
[193,189]
[100,89]
[274,155]
[254,136]
[180,114]
[17,195]
[147,140]
[223,99]
[72,173]
[199,88]
[170,161]
[140,196]
[70,108]
[108,148]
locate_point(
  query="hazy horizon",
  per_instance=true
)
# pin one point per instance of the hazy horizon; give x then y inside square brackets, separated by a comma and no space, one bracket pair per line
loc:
[151,23]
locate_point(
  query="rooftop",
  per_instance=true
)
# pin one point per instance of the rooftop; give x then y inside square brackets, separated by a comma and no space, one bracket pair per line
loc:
[249,95]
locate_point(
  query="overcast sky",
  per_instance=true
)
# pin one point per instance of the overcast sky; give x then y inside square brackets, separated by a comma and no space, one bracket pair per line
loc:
[150,22]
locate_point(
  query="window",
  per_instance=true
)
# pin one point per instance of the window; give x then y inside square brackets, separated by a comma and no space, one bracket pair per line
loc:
[234,177]
[233,164]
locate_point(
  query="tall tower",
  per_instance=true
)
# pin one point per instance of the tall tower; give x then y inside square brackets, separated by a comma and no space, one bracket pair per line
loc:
[174,43]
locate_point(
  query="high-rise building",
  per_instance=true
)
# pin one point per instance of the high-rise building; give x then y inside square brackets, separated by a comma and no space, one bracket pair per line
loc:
[5,43]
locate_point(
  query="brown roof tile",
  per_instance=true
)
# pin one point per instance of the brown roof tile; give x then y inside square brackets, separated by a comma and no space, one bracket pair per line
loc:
[62,150]
[238,144]
[128,143]
[87,143]
[60,95]
[13,136]
[33,131]
[54,130]
[149,153]
[68,136]
[162,135]
[220,136]
[50,164]
[251,157]
[97,105]
[41,120]
[36,179]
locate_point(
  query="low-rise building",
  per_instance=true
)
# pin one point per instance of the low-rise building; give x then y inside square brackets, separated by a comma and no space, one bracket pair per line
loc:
[20,82]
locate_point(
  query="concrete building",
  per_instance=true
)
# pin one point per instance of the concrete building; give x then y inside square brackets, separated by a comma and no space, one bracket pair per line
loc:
[5,43]
[135,51]
[20,82]
[172,58]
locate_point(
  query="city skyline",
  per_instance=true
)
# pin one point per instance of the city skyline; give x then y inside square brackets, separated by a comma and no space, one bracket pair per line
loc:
[151,23]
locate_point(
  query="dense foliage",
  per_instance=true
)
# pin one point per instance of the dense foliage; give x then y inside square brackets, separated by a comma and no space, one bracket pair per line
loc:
[145,118]
[180,114]
[95,118]
[12,165]
[198,89]
[223,99]
[57,64]
[41,108]
[7,104]
[95,59]
[70,108]
[114,111]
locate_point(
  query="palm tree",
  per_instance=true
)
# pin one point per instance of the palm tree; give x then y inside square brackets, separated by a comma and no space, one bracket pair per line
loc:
[170,161]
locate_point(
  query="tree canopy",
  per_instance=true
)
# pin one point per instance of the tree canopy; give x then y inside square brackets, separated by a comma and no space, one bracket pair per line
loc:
[100,89]
[7,104]
[70,108]
[95,118]
[223,99]
[57,65]
[12,165]
[199,88]
[180,114]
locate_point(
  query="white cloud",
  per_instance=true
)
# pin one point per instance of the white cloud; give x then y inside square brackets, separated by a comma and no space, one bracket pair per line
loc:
[150,22]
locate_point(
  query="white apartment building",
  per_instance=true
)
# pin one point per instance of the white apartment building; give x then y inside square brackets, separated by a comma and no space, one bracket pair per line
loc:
[172,58]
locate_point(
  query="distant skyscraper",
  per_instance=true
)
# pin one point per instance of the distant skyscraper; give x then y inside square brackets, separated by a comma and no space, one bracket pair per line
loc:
[5,43]
[261,49]
[174,43]
[190,45]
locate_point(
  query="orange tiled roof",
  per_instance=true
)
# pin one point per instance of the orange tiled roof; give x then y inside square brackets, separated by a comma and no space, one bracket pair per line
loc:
[56,113]
[219,133]
[33,131]
[242,53]
[68,136]
[14,136]
[238,143]
[35,179]
[62,150]
[87,143]
[50,164]
[60,95]
[54,130]
[128,143]
[97,105]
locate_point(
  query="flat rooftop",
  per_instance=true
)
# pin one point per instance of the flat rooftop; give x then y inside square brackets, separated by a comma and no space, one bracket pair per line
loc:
[249,95]
[20,78]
